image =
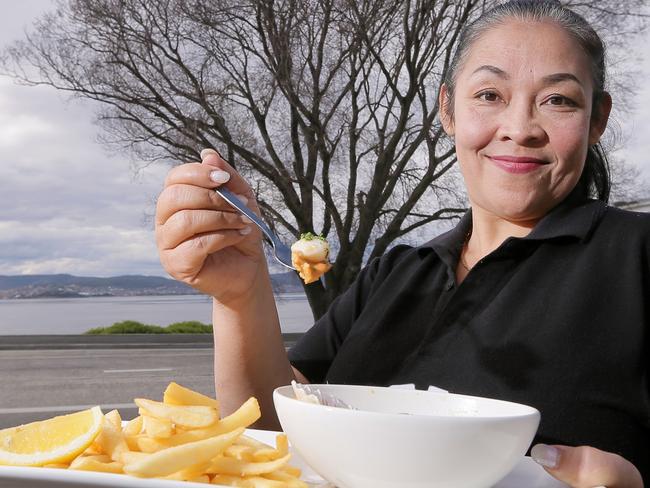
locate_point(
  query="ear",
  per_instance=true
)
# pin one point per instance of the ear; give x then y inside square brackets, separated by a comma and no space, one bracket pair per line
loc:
[445,117]
[600,117]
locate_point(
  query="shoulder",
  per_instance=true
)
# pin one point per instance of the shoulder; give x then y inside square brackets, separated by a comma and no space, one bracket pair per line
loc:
[623,232]
[628,221]
[623,215]
[403,258]
[395,256]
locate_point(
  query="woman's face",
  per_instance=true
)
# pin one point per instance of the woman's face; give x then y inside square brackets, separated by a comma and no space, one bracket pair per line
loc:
[521,121]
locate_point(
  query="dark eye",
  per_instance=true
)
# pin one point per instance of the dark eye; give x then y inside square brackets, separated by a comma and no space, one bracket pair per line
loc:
[559,100]
[488,96]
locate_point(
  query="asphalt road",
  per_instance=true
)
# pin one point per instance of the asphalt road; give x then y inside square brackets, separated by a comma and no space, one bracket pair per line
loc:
[39,384]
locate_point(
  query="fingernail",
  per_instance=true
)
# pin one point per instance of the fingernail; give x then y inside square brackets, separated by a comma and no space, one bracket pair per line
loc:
[207,151]
[547,456]
[246,220]
[242,198]
[245,231]
[219,176]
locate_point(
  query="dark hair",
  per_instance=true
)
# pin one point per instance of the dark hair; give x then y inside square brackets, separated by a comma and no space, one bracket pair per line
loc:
[595,179]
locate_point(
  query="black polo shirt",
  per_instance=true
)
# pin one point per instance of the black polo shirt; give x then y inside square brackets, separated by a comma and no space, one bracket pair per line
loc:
[559,320]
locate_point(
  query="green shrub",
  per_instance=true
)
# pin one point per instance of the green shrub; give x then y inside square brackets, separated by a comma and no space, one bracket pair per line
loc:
[128,327]
[134,327]
[191,327]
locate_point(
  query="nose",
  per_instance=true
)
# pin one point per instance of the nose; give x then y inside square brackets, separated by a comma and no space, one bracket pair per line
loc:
[520,123]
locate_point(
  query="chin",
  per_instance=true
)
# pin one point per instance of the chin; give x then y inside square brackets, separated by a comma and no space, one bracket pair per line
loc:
[520,207]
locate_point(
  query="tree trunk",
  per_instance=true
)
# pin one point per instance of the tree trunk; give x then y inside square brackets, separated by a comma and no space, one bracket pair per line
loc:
[318,299]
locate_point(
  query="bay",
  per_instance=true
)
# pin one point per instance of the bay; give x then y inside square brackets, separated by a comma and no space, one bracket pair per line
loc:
[77,315]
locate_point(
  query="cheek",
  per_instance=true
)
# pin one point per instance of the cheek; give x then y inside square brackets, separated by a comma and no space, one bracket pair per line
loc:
[473,130]
[569,140]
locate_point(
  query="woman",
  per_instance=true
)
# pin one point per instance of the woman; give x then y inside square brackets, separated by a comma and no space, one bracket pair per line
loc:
[538,295]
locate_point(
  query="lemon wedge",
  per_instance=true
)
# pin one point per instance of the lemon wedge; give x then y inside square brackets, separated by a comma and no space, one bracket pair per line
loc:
[56,440]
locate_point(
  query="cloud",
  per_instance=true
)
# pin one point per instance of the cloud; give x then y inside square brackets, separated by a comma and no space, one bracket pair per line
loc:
[66,205]
[66,245]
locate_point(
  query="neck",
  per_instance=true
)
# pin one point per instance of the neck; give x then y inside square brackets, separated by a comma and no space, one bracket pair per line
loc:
[489,231]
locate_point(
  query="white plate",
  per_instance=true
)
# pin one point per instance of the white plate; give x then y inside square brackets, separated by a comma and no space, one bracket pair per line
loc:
[527,473]
[18,477]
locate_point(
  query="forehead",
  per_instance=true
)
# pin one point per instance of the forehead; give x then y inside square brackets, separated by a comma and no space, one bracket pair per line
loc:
[528,48]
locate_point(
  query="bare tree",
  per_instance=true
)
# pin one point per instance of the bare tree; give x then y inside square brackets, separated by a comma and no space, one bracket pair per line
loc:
[328,106]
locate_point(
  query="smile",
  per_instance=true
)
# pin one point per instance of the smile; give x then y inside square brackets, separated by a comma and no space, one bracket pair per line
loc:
[513,164]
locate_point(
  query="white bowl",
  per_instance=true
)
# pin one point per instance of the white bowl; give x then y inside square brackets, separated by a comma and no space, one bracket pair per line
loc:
[445,440]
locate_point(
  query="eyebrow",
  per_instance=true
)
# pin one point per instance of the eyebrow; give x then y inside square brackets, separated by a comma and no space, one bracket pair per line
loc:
[559,77]
[492,69]
[548,80]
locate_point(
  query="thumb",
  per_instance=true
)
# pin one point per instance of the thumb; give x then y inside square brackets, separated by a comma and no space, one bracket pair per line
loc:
[211,157]
[587,467]
[237,184]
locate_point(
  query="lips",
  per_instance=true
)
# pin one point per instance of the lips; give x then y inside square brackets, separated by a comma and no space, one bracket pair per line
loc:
[517,164]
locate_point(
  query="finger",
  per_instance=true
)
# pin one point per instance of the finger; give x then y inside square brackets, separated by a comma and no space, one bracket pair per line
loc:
[212,159]
[185,261]
[587,467]
[179,197]
[184,224]
[196,174]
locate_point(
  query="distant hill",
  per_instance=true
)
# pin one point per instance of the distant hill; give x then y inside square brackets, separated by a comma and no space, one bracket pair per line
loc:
[288,282]
[66,286]
[127,282]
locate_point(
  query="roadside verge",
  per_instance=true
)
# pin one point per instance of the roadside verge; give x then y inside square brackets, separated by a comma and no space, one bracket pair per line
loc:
[116,341]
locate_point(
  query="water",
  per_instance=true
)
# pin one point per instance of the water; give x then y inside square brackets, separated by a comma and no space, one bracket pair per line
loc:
[77,315]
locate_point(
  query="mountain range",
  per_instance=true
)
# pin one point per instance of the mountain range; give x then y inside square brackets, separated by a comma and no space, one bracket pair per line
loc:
[69,286]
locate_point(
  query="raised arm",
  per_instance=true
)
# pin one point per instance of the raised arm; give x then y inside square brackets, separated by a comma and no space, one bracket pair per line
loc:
[203,242]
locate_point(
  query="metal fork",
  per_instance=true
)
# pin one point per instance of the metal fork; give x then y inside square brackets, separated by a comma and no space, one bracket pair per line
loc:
[281,251]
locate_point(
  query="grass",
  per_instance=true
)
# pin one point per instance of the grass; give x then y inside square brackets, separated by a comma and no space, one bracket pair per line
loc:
[133,327]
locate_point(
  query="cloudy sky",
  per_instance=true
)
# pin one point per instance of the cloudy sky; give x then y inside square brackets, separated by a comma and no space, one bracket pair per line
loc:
[68,206]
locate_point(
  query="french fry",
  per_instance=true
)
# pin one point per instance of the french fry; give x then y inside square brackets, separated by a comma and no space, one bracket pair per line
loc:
[254,443]
[101,458]
[244,416]
[168,461]
[92,463]
[270,453]
[133,426]
[228,480]
[289,480]
[111,440]
[227,465]
[260,482]
[176,394]
[241,452]
[148,444]
[282,443]
[157,428]
[189,473]
[183,439]
[291,471]
[132,442]
[185,416]
[204,478]
[129,457]
[115,418]
[92,449]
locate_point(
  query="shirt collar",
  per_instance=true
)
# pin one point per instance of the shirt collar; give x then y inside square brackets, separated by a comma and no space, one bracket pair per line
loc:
[574,217]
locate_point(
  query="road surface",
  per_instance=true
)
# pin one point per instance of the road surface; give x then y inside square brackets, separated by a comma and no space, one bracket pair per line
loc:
[38,384]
